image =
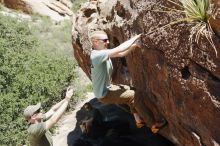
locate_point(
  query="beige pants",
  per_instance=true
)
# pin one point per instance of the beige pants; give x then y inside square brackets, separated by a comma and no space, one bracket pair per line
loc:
[120,94]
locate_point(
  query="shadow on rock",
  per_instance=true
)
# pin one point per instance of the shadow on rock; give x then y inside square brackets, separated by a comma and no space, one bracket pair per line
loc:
[118,128]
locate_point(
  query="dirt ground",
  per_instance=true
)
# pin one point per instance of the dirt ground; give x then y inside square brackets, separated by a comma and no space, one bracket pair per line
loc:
[67,123]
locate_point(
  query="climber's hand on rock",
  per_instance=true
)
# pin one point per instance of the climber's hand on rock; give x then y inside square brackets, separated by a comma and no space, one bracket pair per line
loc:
[137,43]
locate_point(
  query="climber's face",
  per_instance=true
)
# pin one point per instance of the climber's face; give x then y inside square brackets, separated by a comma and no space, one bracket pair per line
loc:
[100,42]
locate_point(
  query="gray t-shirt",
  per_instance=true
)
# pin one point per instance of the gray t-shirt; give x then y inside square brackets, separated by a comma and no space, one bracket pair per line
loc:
[39,136]
[101,71]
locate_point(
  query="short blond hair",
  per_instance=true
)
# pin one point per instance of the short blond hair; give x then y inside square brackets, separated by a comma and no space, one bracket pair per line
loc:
[96,33]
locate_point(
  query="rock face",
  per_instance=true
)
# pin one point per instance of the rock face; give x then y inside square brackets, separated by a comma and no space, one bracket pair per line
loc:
[175,77]
[56,9]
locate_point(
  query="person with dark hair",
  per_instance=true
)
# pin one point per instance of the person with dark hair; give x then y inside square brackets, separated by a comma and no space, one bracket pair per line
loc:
[93,124]
[94,113]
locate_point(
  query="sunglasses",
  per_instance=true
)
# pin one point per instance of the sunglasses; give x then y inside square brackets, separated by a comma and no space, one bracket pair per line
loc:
[38,111]
[104,40]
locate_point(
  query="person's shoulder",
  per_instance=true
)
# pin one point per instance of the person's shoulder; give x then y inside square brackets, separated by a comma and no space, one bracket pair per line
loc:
[34,128]
[99,52]
[96,53]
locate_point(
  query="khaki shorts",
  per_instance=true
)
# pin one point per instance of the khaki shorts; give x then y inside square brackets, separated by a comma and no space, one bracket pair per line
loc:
[120,94]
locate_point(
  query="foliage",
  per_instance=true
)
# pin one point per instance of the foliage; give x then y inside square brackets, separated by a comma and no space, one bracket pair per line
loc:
[56,38]
[82,88]
[28,74]
[196,12]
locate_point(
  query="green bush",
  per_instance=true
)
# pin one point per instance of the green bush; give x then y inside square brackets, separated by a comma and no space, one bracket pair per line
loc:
[27,75]
[53,38]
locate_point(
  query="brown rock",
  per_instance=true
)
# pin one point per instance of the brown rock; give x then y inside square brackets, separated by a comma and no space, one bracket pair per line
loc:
[67,3]
[57,10]
[63,8]
[18,5]
[180,79]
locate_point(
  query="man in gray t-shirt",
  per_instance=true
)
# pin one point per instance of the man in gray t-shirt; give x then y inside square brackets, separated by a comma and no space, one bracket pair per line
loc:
[39,123]
[101,71]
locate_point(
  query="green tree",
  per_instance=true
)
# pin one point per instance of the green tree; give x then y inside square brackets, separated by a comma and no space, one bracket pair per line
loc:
[27,75]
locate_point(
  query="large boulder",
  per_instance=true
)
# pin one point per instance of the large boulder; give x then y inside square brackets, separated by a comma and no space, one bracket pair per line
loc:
[56,9]
[178,78]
